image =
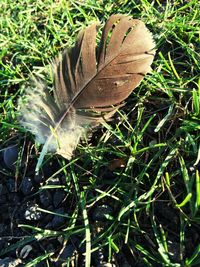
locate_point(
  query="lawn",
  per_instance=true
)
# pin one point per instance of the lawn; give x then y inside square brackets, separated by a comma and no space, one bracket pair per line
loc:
[130,196]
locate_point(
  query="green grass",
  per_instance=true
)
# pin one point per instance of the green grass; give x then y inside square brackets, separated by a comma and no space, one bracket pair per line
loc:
[144,164]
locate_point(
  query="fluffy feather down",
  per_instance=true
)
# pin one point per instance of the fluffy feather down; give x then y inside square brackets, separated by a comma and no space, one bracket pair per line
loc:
[39,113]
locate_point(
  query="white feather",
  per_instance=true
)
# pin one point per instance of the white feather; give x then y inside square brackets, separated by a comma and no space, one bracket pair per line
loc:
[38,113]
